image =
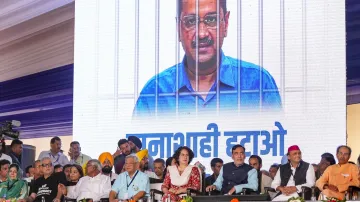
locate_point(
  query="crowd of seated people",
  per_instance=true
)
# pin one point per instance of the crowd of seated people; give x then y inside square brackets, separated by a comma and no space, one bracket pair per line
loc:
[127,175]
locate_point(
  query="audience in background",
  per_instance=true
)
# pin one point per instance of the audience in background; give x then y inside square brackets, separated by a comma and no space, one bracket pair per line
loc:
[58,168]
[75,154]
[170,162]
[50,187]
[29,171]
[94,185]
[2,152]
[16,149]
[37,169]
[107,162]
[216,165]
[56,156]
[190,177]
[263,181]
[14,187]
[315,166]
[235,176]
[66,170]
[136,145]
[159,168]
[119,160]
[273,170]
[292,176]
[284,160]
[131,184]
[4,170]
[327,160]
[338,177]
[76,172]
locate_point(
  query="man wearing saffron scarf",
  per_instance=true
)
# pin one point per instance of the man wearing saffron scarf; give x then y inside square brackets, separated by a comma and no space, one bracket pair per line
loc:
[107,162]
[292,176]
[338,177]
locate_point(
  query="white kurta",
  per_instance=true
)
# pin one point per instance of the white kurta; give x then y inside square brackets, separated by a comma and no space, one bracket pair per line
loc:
[92,187]
[310,181]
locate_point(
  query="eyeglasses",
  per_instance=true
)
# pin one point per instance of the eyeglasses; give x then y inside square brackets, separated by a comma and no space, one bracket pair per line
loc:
[191,21]
[46,165]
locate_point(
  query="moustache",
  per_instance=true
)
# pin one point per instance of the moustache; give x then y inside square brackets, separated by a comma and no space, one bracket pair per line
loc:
[205,42]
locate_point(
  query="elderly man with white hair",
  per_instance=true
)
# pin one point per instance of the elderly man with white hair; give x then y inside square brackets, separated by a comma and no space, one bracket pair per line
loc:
[131,184]
[93,186]
[49,187]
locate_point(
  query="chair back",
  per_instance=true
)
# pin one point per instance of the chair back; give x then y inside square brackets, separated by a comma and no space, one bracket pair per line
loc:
[156,186]
[69,200]
[104,200]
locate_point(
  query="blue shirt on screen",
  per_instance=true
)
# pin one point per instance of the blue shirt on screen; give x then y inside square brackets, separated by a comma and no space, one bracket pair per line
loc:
[122,184]
[229,86]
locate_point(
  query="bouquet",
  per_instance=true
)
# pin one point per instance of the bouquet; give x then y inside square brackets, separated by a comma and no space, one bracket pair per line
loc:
[332,199]
[187,199]
[296,199]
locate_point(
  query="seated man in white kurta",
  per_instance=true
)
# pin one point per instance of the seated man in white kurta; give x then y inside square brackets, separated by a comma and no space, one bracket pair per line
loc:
[95,185]
[292,176]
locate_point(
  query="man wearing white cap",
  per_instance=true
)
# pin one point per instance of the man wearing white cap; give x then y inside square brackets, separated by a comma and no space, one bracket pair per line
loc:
[292,176]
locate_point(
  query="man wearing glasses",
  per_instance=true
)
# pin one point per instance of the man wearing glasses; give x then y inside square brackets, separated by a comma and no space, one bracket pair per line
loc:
[131,184]
[50,187]
[205,71]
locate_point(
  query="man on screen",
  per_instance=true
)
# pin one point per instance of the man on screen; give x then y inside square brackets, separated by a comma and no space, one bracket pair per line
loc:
[195,78]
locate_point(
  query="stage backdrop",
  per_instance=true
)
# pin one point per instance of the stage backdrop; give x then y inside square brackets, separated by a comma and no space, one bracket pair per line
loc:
[281,77]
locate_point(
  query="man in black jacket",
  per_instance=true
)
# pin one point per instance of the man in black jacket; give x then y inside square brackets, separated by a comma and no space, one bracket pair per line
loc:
[235,176]
[16,151]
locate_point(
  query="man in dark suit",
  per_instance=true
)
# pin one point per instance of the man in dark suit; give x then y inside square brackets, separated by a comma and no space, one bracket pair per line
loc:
[216,165]
[16,151]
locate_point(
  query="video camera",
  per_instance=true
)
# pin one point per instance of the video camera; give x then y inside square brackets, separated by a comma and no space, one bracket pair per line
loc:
[6,129]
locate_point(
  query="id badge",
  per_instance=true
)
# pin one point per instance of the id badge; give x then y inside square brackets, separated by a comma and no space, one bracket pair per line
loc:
[126,196]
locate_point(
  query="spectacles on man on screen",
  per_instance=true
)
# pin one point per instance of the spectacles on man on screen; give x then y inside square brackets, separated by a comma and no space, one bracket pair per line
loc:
[211,21]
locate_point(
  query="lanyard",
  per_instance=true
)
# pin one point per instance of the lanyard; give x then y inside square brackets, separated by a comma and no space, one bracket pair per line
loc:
[128,185]
[57,160]
[75,161]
